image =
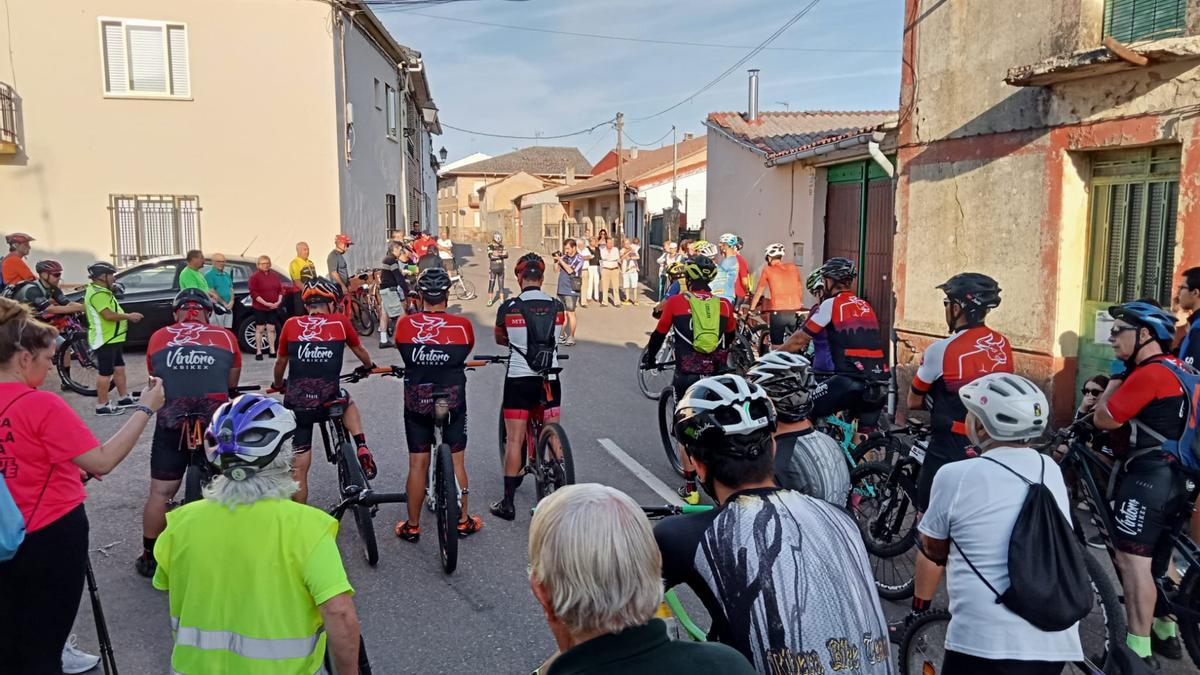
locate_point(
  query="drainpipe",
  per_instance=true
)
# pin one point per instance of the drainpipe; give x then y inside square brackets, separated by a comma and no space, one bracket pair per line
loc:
[880,158]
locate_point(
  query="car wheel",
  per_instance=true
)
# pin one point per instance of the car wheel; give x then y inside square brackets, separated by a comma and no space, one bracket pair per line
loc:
[245,334]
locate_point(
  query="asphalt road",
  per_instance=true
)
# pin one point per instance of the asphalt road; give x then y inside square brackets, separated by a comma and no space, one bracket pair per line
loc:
[415,619]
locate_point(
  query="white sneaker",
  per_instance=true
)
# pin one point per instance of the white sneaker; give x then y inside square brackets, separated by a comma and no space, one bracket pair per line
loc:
[75,660]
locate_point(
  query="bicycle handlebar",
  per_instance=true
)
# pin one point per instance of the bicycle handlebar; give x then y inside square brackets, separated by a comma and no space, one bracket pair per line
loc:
[355,376]
[659,366]
[504,359]
[367,498]
[674,510]
[241,389]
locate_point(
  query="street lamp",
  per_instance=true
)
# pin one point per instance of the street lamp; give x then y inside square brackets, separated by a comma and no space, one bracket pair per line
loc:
[442,154]
[430,112]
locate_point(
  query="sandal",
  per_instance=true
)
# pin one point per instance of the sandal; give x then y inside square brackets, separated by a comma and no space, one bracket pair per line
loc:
[469,526]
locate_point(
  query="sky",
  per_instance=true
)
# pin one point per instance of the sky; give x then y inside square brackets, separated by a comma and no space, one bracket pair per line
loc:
[516,82]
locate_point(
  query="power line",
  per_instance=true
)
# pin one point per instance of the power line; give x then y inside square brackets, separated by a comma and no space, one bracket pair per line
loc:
[530,138]
[621,38]
[652,143]
[754,52]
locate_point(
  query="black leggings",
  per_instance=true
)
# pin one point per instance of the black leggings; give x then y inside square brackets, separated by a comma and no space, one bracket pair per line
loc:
[957,663]
[40,590]
[496,284]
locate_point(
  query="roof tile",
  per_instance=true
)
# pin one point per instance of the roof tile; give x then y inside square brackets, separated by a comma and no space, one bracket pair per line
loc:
[775,132]
[537,160]
[646,163]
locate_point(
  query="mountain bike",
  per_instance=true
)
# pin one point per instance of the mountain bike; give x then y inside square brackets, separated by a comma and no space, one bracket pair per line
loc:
[1094,477]
[671,607]
[547,455]
[73,359]
[751,340]
[463,288]
[651,381]
[883,502]
[362,302]
[191,443]
[353,486]
[666,428]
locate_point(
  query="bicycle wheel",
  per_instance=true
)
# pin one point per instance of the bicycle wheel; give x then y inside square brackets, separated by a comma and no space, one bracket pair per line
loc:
[884,510]
[923,645]
[760,340]
[666,428]
[1189,596]
[553,472]
[447,507]
[76,367]
[876,449]
[652,381]
[503,436]
[350,473]
[193,483]
[464,290]
[1105,625]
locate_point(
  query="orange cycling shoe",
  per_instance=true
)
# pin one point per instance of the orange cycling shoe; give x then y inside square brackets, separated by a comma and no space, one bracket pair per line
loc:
[408,532]
[469,526]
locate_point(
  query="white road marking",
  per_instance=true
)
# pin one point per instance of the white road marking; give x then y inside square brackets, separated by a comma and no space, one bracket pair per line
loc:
[640,471]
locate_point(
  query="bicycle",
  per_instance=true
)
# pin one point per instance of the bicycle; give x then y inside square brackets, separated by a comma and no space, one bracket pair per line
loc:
[361,304]
[751,340]
[671,607]
[353,486]
[462,287]
[651,381]
[666,426]
[73,358]
[1091,472]
[547,454]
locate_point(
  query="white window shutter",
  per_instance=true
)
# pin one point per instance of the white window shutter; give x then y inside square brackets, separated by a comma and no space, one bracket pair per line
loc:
[148,59]
[181,84]
[116,76]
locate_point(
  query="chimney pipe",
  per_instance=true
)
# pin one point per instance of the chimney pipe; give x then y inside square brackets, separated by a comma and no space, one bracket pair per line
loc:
[752,108]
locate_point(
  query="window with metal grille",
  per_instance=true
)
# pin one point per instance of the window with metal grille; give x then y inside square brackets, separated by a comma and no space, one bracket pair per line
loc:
[390,209]
[145,58]
[393,111]
[1131,20]
[148,226]
[414,206]
[1135,196]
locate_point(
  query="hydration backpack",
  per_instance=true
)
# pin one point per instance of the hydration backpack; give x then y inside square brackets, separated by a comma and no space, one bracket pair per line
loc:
[1186,448]
[540,346]
[706,323]
[1048,581]
[11,291]
[12,523]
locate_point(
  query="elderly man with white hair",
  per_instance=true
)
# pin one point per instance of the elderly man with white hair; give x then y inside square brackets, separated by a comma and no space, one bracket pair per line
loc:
[256,582]
[596,570]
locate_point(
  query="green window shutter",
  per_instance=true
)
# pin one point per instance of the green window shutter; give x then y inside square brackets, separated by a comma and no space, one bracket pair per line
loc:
[1132,20]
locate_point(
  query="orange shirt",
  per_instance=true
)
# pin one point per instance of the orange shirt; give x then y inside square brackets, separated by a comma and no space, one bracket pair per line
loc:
[787,290]
[15,270]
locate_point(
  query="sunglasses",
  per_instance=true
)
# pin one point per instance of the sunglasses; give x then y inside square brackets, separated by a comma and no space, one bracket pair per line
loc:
[1117,330]
[1088,391]
[57,275]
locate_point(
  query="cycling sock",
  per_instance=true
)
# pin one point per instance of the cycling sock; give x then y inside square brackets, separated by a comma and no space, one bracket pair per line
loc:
[148,544]
[360,440]
[919,605]
[510,488]
[689,477]
[1165,629]
[1139,644]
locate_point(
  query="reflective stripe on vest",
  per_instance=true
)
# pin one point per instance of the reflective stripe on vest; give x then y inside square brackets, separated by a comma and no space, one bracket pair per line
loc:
[248,647]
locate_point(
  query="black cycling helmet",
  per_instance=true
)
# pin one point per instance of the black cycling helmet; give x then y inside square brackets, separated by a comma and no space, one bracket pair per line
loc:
[48,267]
[193,297]
[977,293]
[321,291]
[434,283]
[530,262]
[838,269]
[700,269]
[100,268]
[1157,320]
[725,415]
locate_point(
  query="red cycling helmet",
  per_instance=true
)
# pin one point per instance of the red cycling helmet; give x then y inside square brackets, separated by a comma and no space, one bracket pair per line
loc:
[343,239]
[18,238]
[530,262]
[49,267]
[321,291]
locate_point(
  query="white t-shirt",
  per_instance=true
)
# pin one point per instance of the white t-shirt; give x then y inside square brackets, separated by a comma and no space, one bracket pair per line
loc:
[977,502]
[446,253]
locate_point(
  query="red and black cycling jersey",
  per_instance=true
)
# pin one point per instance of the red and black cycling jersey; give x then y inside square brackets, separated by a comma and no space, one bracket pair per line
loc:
[677,317]
[853,331]
[1152,395]
[193,359]
[434,346]
[954,361]
[314,344]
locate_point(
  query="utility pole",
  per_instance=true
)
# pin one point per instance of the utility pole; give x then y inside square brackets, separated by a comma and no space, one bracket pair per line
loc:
[620,233]
[673,224]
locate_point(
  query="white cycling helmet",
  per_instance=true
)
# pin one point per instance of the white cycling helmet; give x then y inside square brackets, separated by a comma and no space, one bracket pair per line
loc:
[1010,407]
[727,415]
[776,362]
[728,239]
[788,381]
[708,250]
[246,434]
[775,251]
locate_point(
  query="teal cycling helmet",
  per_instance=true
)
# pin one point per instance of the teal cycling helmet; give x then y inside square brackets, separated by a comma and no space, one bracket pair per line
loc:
[1157,320]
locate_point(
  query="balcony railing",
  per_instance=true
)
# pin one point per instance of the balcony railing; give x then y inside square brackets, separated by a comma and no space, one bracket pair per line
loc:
[9,142]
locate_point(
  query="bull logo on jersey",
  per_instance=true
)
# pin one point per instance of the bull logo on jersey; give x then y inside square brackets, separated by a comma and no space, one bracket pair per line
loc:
[854,307]
[310,328]
[435,330]
[187,333]
[995,348]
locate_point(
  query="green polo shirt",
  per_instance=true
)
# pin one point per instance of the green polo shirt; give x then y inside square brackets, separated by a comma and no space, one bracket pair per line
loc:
[190,278]
[646,650]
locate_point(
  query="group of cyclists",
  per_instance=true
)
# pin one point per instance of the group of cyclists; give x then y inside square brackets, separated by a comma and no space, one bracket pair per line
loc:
[746,439]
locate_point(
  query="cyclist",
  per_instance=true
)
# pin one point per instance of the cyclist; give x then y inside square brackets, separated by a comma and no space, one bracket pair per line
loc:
[1152,489]
[497,254]
[107,327]
[704,328]
[47,286]
[310,354]
[198,363]
[860,372]
[806,460]
[971,351]
[978,501]
[782,280]
[14,268]
[255,582]
[784,576]
[529,324]
[676,277]
[434,346]
[729,277]
[821,357]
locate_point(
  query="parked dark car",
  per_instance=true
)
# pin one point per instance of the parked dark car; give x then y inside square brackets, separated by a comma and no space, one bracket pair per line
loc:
[151,286]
